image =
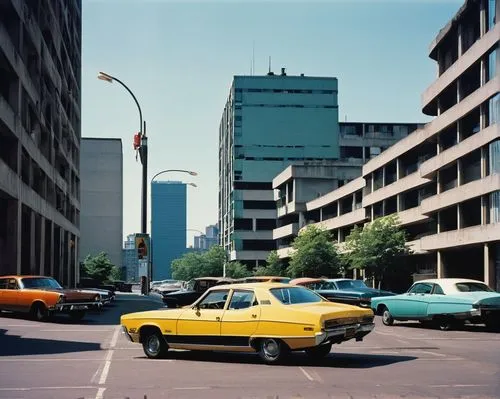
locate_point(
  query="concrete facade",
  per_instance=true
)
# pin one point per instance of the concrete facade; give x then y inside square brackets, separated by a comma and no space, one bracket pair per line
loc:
[40,130]
[168,225]
[443,180]
[101,218]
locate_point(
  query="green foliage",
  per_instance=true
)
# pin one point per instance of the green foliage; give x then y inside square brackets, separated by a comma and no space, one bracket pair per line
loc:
[116,274]
[315,254]
[237,270]
[376,247]
[274,267]
[98,267]
[200,264]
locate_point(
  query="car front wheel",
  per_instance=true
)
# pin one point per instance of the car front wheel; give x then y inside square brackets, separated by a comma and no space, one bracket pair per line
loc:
[319,352]
[272,350]
[154,345]
[387,318]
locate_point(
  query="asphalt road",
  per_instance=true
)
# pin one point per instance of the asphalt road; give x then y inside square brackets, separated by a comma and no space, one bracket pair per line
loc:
[92,359]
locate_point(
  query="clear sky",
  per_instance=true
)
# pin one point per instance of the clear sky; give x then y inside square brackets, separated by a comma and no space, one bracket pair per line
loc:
[179,57]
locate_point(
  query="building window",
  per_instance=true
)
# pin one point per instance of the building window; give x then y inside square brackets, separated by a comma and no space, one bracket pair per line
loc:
[243,224]
[494,157]
[495,207]
[493,61]
[265,224]
[494,109]
[491,13]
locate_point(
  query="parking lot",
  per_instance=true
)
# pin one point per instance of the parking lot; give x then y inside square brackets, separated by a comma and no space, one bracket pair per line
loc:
[92,359]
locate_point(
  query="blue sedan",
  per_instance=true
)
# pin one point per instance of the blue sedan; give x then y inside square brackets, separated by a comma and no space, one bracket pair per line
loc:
[445,302]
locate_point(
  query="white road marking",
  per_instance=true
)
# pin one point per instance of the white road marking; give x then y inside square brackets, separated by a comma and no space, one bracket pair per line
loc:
[308,376]
[100,393]
[433,353]
[190,388]
[435,359]
[50,360]
[19,325]
[459,386]
[45,388]
[103,368]
[82,330]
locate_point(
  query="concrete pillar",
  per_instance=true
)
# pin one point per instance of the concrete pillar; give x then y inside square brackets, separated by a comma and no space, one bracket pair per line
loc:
[440,265]
[50,232]
[338,208]
[489,266]
[398,169]
[459,216]
[459,37]
[355,274]
[42,245]
[483,20]
[32,249]
[19,235]
[484,209]
[484,161]
[77,263]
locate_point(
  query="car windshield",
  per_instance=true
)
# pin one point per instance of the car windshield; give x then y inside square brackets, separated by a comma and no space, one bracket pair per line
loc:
[471,287]
[295,295]
[40,282]
[346,284]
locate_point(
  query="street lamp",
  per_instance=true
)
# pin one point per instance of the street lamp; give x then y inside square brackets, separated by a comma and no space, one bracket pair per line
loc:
[143,149]
[189,172]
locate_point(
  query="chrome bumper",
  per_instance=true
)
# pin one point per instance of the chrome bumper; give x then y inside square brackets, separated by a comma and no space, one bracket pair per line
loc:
[344,333]
[63,307]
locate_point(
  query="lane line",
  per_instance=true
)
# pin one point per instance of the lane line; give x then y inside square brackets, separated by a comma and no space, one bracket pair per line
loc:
[51,360]
[103,369]
[100,393]
[46,388]
[191,388]
[82,330]
[459,386]
[308,376]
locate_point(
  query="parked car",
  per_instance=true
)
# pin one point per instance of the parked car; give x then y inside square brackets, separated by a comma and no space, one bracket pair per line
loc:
[167,286]
[269,318]
[43,297]
[264,279]
[444,302]
[194,289]
[345,290]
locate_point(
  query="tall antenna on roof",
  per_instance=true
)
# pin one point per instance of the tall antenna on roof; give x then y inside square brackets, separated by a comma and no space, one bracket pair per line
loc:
[253,57]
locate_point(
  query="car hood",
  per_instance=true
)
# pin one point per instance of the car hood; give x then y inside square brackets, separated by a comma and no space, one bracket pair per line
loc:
[164,313]
[361,292]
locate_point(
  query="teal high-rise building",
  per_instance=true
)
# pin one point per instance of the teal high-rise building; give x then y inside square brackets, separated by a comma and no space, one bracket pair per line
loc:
[269,122]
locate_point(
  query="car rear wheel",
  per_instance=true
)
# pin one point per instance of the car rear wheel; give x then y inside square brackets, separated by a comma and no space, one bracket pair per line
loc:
[154,345]
[387,318]
[39,312]
[446,323]
[272,350]
[319,352]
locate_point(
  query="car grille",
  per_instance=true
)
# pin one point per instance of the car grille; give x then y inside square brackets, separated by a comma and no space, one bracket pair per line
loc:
[345,321]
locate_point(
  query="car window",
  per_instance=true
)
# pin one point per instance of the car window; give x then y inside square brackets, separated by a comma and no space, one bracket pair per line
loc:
[3,283]
[472,286]
[349,284]
[12,284]
[214,300]
[242,300]
[40,282]
[295,295]
[438,290]
[421,288]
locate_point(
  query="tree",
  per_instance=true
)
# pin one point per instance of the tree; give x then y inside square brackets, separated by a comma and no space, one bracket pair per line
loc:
[274,266]
[315,254]
[376,247]
[98,267]
[237,270]
[200,264]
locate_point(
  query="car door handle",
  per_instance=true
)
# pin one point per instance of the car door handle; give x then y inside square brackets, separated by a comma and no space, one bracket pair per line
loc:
[217,318]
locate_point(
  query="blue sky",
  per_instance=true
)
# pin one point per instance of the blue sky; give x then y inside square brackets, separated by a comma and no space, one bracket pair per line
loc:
[178,57]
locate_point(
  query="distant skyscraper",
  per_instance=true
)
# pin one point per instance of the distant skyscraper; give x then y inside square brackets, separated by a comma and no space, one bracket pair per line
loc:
[130,260]
[168,225]
[101,218]
[207,240]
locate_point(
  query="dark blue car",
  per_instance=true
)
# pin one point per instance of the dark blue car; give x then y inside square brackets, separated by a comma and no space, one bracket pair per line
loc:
[345,290]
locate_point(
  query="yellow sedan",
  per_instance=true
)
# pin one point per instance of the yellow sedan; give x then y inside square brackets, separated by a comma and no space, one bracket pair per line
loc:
[269,318]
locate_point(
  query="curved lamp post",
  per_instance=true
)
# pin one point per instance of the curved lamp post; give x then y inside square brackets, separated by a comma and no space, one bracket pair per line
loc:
[143,149]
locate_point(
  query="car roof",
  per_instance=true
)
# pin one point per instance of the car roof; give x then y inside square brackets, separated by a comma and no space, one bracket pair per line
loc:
[252,285]
[302,280]
[25,276]
[448,281]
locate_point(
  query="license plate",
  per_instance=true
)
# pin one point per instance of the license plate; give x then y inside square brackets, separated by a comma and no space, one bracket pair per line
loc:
[78,307]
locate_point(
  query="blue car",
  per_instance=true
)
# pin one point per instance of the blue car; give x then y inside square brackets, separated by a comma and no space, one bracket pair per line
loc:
[445,303]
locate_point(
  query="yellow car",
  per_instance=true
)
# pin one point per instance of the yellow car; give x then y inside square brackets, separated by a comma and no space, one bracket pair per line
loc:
[269,318]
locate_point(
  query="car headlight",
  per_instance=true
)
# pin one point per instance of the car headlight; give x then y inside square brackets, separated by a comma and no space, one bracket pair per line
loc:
[61,299]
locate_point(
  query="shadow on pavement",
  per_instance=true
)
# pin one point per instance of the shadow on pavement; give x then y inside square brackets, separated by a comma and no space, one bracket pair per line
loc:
[334,360]
[15,345]
[108,315]
[476,328]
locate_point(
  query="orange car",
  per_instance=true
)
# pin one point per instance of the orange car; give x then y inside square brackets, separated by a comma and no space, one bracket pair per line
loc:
[43,297]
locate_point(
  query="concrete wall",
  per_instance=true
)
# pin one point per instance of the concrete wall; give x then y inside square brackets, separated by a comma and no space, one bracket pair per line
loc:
[101,219]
